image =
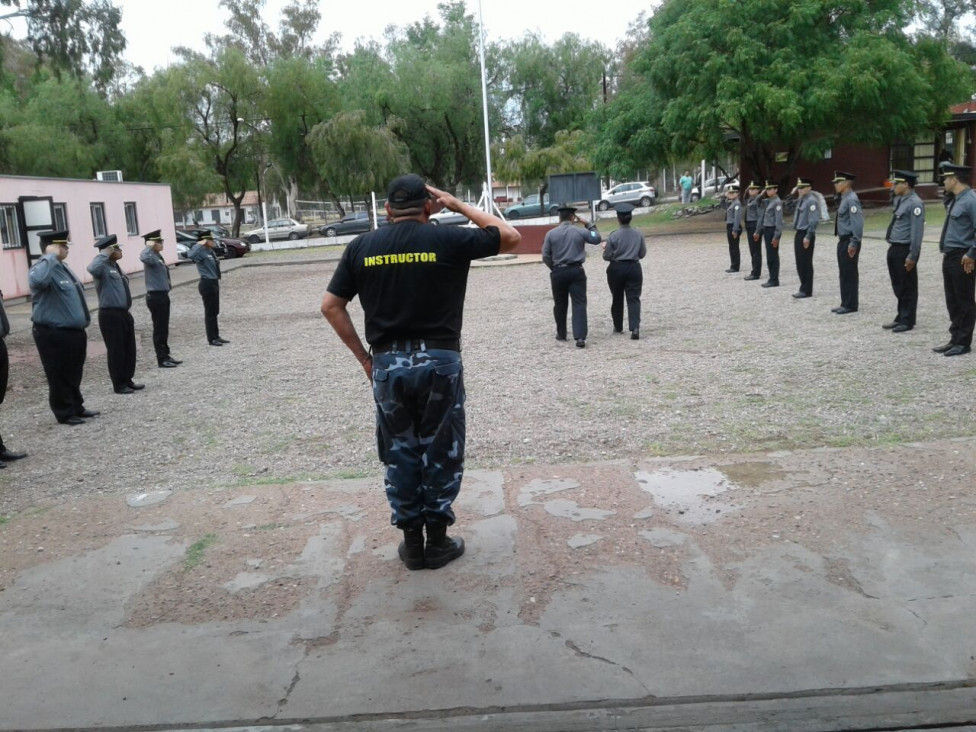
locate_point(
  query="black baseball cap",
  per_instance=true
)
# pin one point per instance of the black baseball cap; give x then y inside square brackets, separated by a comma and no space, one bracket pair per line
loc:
[407,191]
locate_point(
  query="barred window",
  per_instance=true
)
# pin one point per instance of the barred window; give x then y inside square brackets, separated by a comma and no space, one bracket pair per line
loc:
[98,219]
[131,219]
[10,226]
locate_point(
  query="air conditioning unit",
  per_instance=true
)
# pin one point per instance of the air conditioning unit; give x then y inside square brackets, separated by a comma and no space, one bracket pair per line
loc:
[110,176]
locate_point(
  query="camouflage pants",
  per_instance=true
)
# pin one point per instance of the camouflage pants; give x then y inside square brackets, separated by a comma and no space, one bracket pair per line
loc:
[420,432]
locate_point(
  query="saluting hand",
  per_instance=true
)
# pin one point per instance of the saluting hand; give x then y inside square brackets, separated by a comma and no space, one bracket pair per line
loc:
[445,199]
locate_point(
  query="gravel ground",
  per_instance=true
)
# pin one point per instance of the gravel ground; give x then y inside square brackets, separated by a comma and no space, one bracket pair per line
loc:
[723,366]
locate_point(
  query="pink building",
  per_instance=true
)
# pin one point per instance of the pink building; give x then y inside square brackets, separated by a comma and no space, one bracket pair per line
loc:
[88,209]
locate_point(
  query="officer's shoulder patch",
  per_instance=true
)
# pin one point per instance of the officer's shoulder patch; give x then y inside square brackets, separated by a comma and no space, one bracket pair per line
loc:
[813,206]
[779,207]
[917,211]
[853,209]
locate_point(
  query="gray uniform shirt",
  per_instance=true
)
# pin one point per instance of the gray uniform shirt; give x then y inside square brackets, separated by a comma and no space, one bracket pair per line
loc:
[566,244]
[625,245]
[850,219]
[806,215]
[156,271]
[733,215]
[960,229]
[773,216]
[753,209]
[908,223]
[206,262]
[111,283]
[57,295]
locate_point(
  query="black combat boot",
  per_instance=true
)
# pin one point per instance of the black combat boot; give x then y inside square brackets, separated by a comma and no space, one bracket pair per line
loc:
[441,548]
[411,549]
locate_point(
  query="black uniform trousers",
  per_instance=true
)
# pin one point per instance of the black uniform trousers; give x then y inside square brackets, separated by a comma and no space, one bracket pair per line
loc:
[847,266]
[210,292]
[4,375]
[626,280]
[569,282]
[733,246]
[804,260]
[755,249]
[62,352]
[772,254]
[960,295]
[903,284]
[158,303]
[119,333]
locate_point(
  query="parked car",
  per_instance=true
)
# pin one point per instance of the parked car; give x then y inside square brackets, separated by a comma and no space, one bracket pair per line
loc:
[637,193]
[713,186]
[354,223]
[277,229]
[447,217]
[235,247]
[529,206]
[187,238]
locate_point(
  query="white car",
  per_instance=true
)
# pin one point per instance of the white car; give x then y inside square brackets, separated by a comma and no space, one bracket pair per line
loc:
[447,217]
[638,193]
[713,186]
[277,229]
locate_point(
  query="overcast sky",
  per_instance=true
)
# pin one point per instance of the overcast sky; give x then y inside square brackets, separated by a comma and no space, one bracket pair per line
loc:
[153,28]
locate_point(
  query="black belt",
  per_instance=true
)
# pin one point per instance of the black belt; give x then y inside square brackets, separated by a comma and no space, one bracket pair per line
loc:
[570,264]
[899,244]
[417,344]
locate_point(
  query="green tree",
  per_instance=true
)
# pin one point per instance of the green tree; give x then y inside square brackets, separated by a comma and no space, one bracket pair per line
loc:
[515,160]
[353,158]
[73,36]
[552,88]
[799,77]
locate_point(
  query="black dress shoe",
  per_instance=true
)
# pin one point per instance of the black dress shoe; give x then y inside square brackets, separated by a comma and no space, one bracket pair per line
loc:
[957,351]
[635,335]
[891,326]
[581,343]
[751,277]
[168,364]
[771,283]
[844,311]
[88,413]
[834,310]
[730,270]
[942,349]
[800,295]
[174,361]
[222,340]
[125,390]
[901,328]
[7,456]
[72,421]
[618,330]
[560,337]
[135,387]
[216,342]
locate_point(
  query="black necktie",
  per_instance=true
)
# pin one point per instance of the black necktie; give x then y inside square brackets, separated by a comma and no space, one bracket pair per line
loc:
[946,226]
[891,224]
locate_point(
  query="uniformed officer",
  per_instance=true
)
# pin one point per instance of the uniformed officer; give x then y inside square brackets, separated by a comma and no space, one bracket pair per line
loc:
[772,230]
[158,285]
[114,319]
[624,249]
[754,213]
[411,278]
[563,252]
[60,316]
[849,229]
[806,216]
[733,225]
[904,237]
[6,455]
[208,267]
[958,247]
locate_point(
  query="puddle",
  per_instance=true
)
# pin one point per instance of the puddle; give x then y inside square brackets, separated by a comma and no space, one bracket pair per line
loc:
[688,496]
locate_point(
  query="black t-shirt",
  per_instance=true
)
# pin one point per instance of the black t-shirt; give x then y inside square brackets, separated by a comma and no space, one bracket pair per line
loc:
[411,277]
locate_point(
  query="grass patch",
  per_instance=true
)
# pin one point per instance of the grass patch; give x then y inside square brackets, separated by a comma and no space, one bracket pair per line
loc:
[194,555]
[270,527]
[4,520]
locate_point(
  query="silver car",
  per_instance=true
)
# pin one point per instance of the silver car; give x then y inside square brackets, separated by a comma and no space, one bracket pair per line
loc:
[638,193]
[277,229]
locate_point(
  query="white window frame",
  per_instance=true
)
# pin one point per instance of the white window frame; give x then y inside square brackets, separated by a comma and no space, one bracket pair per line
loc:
[131,218]
[99,227]
[10,226]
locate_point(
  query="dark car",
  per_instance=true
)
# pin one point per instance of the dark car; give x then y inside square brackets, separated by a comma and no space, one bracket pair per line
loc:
[235,247]
[189,237]
[354,223]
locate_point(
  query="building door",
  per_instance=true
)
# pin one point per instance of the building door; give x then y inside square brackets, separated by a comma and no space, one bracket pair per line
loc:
[37,216]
